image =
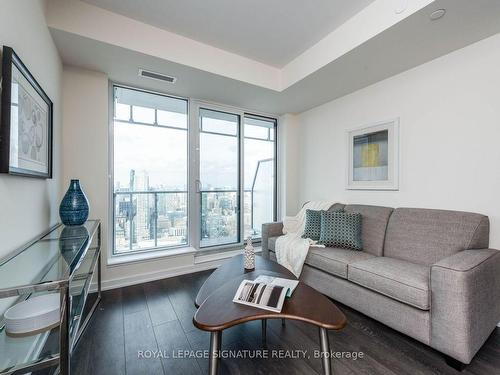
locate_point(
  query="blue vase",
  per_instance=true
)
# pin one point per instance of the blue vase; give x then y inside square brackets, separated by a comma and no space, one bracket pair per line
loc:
[74,208]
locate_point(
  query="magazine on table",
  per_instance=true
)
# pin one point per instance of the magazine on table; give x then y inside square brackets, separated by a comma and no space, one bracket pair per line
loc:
[286,283]
[267,293]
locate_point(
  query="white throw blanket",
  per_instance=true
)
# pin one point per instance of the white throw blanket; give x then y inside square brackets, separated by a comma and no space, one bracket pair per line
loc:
[291,249]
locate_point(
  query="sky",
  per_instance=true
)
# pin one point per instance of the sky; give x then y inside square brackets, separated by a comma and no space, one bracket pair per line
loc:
[162,152]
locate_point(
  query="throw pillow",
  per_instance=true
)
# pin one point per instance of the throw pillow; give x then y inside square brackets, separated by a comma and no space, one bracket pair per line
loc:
[341,229]
[312,228]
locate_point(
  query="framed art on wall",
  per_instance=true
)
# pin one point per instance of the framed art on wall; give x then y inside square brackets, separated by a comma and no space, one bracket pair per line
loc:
[373,161]
[26,121]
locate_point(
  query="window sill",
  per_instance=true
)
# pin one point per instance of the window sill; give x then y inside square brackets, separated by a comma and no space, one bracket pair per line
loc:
[117,260]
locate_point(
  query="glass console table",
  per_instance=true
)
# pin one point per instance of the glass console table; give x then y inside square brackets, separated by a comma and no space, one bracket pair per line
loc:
[64,260]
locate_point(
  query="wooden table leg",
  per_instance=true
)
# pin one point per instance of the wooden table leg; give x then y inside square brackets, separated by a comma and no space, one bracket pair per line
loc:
[283,322]
[214,358]
[264,331]
[325,351]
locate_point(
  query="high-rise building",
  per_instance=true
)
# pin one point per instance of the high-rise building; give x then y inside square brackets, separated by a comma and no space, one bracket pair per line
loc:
[139,182]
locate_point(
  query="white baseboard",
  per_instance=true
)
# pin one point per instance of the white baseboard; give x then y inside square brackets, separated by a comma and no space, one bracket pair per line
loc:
[202,263]
[147,277]
[498,325]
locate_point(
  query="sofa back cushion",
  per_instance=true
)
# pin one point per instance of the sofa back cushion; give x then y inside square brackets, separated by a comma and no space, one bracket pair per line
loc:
[373,227]
[333,207]
[337,207]
[426,236]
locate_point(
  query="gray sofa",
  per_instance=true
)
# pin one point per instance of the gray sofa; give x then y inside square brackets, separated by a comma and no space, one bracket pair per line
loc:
[426,273]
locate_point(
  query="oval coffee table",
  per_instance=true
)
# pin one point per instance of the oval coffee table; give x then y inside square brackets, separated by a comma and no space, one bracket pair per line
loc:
[217,311]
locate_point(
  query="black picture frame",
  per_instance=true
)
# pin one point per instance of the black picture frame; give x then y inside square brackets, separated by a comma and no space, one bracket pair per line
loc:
[11,61]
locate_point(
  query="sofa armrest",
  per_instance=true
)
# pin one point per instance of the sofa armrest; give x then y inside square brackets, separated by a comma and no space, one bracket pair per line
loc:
[270,230]
[465,303]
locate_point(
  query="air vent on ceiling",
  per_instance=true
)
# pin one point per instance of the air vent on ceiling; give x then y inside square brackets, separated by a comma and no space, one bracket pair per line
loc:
[157,76]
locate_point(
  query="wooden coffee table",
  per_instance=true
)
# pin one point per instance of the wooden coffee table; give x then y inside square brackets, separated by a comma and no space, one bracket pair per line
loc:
[217,311]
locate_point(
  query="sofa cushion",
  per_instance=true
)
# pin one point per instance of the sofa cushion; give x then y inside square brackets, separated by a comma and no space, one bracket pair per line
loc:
[334,260]
[375,220]
[401,280]
[341,229]
[329,259]
[426,236]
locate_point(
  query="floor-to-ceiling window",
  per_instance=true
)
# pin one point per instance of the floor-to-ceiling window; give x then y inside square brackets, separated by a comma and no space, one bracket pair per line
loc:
[150,166]
[221,162]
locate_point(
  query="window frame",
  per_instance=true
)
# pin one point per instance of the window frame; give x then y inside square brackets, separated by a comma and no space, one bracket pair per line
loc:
[111,156]
[199,106]
[275,166]
[194,215]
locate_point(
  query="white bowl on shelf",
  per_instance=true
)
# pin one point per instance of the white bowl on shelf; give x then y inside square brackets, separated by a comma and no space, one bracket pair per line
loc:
[33,315]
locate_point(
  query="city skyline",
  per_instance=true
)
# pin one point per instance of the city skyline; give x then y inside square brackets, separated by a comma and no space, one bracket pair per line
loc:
[153,219]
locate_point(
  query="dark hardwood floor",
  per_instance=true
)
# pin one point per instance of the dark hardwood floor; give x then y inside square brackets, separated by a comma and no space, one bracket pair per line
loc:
[155,320]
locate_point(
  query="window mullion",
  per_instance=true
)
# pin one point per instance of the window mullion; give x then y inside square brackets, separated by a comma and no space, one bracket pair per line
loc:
[156,219]
[131,221]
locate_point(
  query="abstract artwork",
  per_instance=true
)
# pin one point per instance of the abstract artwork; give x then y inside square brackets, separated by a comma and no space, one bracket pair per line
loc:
[32,125]
[26,121]
[374,157]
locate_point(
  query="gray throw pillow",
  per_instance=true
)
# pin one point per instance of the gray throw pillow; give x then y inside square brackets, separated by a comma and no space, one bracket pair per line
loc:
[341,229]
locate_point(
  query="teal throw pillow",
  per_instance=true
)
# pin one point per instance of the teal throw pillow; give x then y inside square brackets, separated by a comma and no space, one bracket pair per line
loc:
[312,229]
[341,229]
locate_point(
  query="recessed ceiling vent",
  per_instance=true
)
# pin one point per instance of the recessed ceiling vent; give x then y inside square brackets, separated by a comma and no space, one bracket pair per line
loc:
[156,76]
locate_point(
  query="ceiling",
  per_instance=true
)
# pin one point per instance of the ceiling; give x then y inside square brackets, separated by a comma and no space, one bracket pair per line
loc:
[272,32]
[409,43]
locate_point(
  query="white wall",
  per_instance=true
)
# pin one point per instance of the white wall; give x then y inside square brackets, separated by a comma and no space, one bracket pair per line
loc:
[288,164]
[85,137]
[449,110]
[30,206]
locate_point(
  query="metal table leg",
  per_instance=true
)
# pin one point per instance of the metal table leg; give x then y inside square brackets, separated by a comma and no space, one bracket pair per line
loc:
[64,339]
[264,331]
[215,345]
[325,351]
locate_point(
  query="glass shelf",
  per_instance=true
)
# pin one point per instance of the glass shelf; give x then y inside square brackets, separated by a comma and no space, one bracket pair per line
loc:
[22,352]
[64,261]
[52,258]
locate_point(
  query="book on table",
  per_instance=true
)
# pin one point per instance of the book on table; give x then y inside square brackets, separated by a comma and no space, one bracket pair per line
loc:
[265,292]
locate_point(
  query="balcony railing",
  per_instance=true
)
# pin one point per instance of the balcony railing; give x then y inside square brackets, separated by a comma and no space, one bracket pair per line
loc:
[262,198]
[220,224]
[145,220]
[149,219]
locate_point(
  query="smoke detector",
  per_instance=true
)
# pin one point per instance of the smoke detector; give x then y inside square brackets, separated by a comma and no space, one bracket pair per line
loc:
[437,14]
